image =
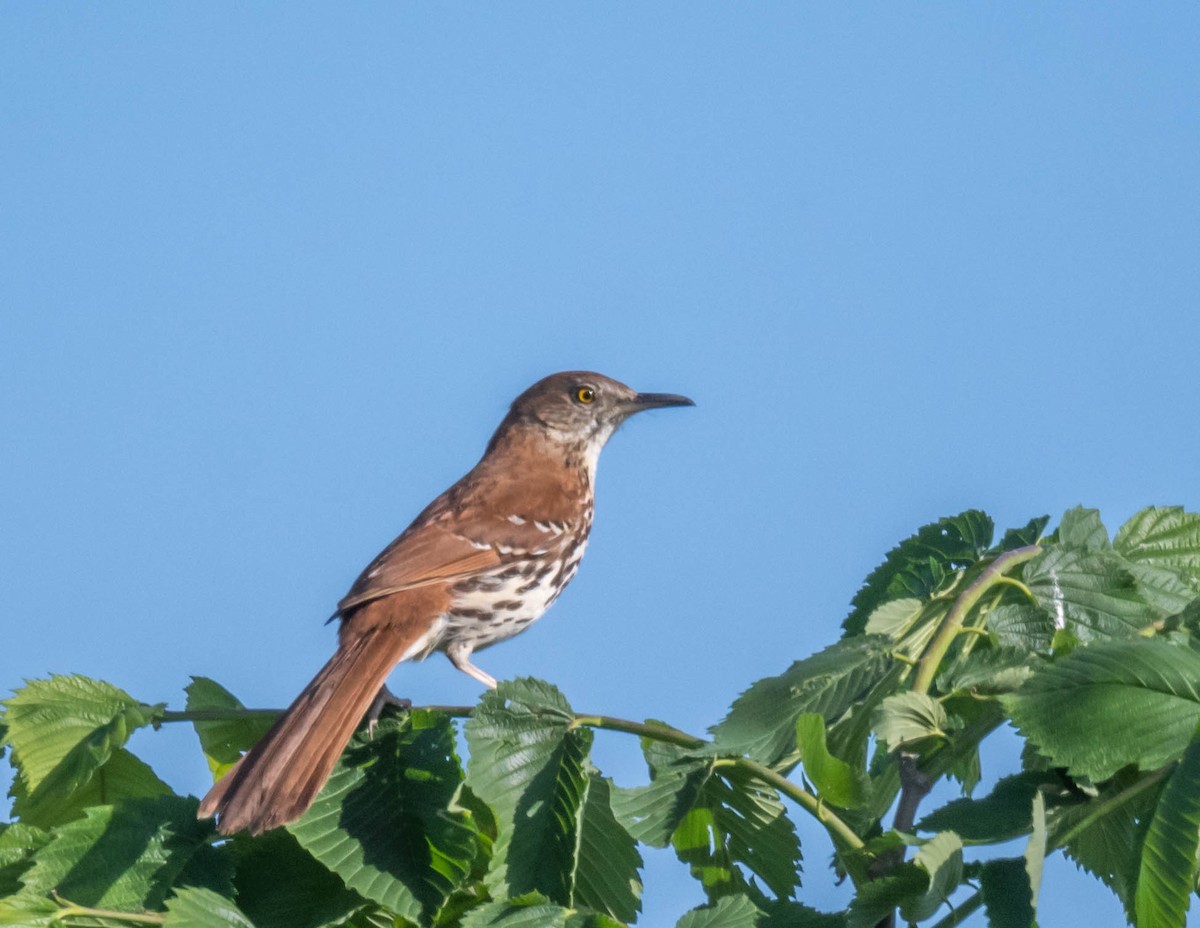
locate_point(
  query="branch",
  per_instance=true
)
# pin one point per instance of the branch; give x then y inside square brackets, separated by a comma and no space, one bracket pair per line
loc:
[843,836]
[992,575]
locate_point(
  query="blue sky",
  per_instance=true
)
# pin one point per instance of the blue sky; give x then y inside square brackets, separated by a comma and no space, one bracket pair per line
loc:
[272,273]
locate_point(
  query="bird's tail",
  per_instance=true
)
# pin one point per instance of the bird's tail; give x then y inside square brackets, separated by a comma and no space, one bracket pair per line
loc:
[278,779]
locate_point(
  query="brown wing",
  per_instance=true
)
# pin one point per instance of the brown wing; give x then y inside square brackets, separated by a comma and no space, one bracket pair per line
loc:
[448,549]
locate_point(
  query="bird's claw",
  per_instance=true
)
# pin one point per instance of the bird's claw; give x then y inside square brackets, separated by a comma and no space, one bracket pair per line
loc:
[384,699]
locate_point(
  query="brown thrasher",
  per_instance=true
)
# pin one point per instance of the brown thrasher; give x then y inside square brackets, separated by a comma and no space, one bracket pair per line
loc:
[479,564]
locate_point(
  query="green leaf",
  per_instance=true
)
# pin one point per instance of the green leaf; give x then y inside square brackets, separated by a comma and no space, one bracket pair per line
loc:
[1028,534]
[787,914]
[651,813]
[385,822]
[528,763]
[1001,816]
[1007,894]
[18,842]
[1161,546]
[922,564]
[122,776]
[281,885]
[762,722]
[533,911]
[62,730]
[1162,536]
[877,899]
[989,671]
[192,907]
[941,858]
[729,912]
[1167,875]
[719,818]
[835,780]
[126,856]
[28,910]
[1023,626]
[1143,695]
[1089,593]
[1035,850]
[894,617]
[907,718]
[1104,835]
[607,879]
[1082,530]
[223,740]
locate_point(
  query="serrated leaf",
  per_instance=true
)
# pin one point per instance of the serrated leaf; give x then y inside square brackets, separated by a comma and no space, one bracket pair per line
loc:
[384,822]
[1143,694]
[534,911]
[720,819]
[223,740]
[27,910]
[894,617]
[834,780]
[988,671]
[1028,534]
[192,907]
[1089,593]
[922,564]
[281,885]
[738,822]
[1007,896]
[941,858]
[1167,875]
[1023,626]
[1083,530]
[1002,815]
[122,776]
[1161,546]
[787,914]
[607,879]
[877,899]
[1104,835]
[762,721]
[63,729]
[906,718]
[652,812]
[18,842]
[126,856]
[528,763]
[1162,536]
[729,912]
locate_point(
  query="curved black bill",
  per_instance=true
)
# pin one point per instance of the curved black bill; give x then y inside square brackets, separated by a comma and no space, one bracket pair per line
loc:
[657,400]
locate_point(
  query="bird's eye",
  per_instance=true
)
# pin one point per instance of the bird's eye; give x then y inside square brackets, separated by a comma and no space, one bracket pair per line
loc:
[585,394]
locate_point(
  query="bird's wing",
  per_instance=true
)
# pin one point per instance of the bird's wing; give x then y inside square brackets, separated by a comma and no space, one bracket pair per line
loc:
[446,550]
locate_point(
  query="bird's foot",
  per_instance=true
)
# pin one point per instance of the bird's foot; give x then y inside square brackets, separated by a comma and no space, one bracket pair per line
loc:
[383,699]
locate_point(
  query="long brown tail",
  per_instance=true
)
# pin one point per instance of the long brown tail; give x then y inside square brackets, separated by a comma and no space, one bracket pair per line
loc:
[281,775]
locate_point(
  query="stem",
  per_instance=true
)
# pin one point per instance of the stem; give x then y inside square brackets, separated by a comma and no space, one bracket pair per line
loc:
[73,910]
[842,834]
[655,731]
[962,911]
[993,574]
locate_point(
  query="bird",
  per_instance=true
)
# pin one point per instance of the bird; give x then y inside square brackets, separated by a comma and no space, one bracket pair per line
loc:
[478,565]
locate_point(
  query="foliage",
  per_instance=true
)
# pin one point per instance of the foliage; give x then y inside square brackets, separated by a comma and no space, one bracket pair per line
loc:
[1088,645]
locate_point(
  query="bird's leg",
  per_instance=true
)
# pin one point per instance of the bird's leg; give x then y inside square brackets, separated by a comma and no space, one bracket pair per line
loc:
[383,699]
[460,656]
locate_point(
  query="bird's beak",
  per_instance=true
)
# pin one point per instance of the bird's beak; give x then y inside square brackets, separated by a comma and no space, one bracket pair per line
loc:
[656,400]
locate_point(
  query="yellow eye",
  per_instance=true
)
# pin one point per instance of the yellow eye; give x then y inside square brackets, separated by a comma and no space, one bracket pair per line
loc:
[585,394]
